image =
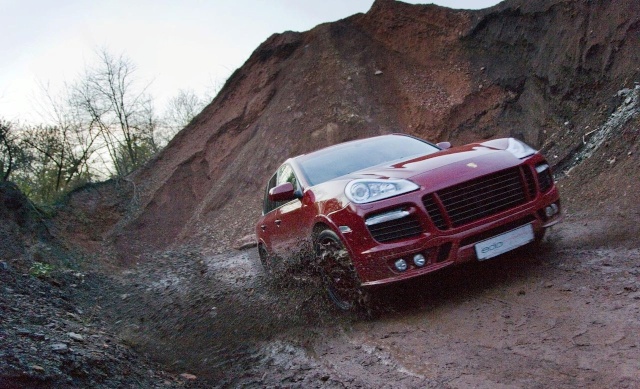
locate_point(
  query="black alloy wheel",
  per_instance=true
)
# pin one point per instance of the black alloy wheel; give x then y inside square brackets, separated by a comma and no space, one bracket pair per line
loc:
[266,260]
[339,275]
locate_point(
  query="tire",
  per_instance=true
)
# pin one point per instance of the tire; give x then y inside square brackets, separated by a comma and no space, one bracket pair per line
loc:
[266,260]
[338,274]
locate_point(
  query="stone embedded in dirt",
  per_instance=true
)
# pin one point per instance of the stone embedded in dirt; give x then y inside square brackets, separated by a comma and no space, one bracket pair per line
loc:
[188,376]
[37,368]
[76,337]
[246,242]
[59,348]
[38,336]
[378,72]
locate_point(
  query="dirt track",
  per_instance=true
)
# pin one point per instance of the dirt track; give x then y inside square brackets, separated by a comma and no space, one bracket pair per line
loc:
[564,315]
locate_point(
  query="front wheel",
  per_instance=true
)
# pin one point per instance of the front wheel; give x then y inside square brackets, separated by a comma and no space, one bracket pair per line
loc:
[338,273]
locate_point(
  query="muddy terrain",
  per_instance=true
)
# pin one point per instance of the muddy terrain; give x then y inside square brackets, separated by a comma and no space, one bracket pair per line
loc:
[563,314]
[135,282]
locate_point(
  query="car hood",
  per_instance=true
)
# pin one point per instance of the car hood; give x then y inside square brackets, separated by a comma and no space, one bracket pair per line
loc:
[444,168]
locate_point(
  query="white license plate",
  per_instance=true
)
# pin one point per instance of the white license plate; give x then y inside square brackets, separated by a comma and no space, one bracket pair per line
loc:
[504,242]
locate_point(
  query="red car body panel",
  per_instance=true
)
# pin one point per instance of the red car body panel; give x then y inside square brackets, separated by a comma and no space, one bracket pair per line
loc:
[287,230]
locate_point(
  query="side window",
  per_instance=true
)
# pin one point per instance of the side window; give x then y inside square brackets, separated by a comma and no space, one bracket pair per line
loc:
[269,205]
[284,174]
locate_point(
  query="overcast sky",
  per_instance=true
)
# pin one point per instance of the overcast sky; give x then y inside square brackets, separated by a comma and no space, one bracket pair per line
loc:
[175,44]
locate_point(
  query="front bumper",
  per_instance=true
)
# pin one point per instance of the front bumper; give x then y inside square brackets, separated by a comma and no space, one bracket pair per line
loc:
[374,260]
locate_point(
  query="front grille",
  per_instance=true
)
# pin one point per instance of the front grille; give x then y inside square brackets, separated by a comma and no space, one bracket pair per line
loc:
[482,197]
[531,184]
[405,227]
[434,212]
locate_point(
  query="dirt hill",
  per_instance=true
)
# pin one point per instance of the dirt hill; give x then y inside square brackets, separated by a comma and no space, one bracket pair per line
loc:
[547,72]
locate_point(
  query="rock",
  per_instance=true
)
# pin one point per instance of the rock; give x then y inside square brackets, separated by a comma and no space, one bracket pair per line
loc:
[23,332]
[565,288]
[4,266]
[37,368]
[76,337]
[188,376]
[246,242]
[38,336]
[378,72]
[59,348]
[73,315]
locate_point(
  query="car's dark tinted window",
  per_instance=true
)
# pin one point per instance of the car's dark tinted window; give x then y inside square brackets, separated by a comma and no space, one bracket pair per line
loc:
[284,174]
[351,157]
[269,205]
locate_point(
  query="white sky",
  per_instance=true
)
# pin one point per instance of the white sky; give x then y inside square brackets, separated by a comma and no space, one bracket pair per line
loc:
[175,44]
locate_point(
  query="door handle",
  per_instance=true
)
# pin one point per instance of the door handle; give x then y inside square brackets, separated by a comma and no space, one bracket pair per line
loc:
[278,221]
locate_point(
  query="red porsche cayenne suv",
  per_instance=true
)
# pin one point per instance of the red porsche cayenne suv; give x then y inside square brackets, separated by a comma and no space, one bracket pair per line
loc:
[385,209]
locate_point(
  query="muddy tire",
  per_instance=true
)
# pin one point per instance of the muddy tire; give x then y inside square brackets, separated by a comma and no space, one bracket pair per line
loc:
[338,274]
[266,260]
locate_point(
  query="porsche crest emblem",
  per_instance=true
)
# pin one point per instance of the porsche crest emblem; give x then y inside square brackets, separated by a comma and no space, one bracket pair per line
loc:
[472,164]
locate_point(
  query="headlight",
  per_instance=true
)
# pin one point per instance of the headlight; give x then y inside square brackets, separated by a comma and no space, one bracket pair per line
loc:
[367,191]
[519,149]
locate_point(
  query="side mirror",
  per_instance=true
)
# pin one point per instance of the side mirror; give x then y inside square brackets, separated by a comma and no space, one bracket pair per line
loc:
[283,192]
[444,145]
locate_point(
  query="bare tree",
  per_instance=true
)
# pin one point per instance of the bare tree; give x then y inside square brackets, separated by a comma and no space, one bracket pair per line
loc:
[182,108]
[58,161]
[10,153]
[110,102]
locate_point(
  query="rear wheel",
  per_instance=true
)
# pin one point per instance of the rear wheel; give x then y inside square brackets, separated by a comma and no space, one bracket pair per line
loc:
[339,275]
[266,260]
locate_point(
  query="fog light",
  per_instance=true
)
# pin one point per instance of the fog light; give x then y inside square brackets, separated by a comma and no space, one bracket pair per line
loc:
[401,265]
[551,210]
[419,260]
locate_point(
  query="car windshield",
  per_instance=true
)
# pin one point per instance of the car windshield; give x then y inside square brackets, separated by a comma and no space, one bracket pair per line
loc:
[350,157]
